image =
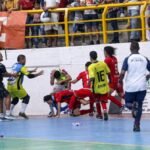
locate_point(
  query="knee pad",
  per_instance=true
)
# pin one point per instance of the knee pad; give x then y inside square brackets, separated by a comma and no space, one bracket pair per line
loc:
[15,101]
[26,99]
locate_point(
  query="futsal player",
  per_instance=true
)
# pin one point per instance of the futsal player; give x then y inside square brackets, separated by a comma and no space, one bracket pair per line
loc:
[135,66]
[114,84]
[85,91]
[98,74]
[15,86]
[4,94]
[60,80]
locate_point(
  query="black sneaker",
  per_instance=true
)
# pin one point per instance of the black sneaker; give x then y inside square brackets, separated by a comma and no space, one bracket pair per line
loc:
[136,128]
[105,116]
[134,109]
[23,115]
[99,116]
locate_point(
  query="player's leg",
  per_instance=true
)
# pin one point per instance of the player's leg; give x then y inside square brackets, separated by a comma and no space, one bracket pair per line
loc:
[25,102]
[104,99]
[137,108]
[14,102]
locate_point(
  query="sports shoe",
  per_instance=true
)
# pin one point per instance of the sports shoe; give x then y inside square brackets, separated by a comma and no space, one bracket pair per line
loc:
[99,116]
[134,109]
[23,115]
[8,117]
[136,128]
[121,109]
[51,114]
[105,116]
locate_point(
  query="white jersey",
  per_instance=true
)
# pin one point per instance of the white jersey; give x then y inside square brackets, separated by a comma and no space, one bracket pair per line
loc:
[51,3]
[136,67]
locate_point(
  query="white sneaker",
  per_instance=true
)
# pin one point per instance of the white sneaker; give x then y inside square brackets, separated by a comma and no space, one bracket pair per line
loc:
[8,117]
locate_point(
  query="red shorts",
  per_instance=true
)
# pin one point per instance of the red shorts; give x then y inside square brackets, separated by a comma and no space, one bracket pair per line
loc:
[83,93]
[117,87]
[101,97]
[63,96]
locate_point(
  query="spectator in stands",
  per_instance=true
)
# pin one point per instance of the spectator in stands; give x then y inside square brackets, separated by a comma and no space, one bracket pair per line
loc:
[112,13]
[1,4]
[27,5]
[78,16]
[62,4]
[90,15]
[10,5]
[134,22]
[53,29]
[36,30]
[148,22]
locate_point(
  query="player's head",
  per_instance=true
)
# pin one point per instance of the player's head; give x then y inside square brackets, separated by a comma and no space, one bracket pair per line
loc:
[93,55]
[109,51]
[21,59]
[57,74]
[134,47]
[1,57]
[48,99]
[87,65]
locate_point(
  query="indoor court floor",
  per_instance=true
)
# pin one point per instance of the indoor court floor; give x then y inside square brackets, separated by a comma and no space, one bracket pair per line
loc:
[60,134]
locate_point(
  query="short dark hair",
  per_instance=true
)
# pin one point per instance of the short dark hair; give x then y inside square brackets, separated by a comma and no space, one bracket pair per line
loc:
[21,57]
[88,64]
[93,55]
[57,74]
[134,46]
[109,50]
[47,98]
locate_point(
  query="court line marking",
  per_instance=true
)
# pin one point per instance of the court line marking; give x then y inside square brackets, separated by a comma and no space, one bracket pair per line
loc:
[82,142]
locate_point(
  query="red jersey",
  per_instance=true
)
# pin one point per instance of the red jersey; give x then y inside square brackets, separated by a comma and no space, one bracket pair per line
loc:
[27,4]
[84,76]
[63,96]
[113,66]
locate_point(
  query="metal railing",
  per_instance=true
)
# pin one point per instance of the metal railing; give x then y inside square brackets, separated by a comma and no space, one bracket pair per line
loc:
[104,20]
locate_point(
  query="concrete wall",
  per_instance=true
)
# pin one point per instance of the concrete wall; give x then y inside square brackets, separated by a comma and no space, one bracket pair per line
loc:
[72,59]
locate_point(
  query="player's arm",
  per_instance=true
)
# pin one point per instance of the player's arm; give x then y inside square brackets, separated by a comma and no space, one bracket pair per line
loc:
[7,74]
[108,72]
[32,71]
[123,70]
[77,79]
[148,68]
[91,76]
[30,75]
[68,77]
[52,79]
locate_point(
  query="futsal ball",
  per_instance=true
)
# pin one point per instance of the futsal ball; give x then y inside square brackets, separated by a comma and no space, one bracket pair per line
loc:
[45,17]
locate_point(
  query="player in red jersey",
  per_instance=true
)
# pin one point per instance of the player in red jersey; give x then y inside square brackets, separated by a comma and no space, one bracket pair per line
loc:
[114,84]
[85,91]
[68,96]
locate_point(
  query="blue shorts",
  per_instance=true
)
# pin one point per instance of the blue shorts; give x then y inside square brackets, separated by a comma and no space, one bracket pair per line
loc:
[91,17]
[139,96]
[78,27]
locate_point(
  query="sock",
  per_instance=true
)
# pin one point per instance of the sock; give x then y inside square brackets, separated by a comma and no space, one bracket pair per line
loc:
[104,106]
[51,108]
[24,106]
[11,108]
[115,101]
[83,112]
[98,107]
[7,112]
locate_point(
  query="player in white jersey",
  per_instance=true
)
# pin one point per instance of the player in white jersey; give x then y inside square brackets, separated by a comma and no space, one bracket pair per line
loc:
[136,67]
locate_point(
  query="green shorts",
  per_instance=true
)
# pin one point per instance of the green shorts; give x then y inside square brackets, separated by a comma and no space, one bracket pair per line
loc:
[15,92]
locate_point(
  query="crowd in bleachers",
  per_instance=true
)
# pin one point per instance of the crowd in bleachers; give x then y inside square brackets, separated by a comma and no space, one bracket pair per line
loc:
[46,17]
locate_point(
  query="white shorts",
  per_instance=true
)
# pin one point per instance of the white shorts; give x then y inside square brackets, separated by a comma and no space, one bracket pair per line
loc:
[54,18]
